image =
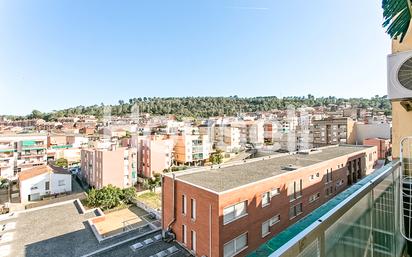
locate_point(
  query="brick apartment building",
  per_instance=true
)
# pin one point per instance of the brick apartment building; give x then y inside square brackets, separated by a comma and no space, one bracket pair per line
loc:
[116,166]
[383,146]
[332,131]
[231,210]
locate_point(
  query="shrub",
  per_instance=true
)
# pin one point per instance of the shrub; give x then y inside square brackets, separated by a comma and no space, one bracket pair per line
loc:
[129,194]
[110,197]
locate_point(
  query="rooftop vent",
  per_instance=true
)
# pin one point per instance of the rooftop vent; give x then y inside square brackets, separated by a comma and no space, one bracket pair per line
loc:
[310,151]
[290,167]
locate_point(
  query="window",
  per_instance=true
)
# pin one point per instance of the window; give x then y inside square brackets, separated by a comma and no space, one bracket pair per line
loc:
[314,197]
[329,190]
[184,234]
[47,185]
[234,212]
[295,210]
[235,246]
[295,190]
[312,177]
[275,219]
[274,192]
[193,236]
[328,175]
[265,228]
[193,209]
[61,182]
[184,203]
[265,199]
[339,183]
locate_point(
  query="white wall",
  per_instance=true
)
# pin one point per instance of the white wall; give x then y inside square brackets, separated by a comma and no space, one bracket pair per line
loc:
[40,182]
[364,131]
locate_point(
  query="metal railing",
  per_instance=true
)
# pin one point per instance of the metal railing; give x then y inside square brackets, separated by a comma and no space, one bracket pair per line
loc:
[363,220]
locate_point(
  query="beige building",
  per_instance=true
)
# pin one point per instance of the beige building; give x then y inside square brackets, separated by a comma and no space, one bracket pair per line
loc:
[155,155]
[400,114]
[116,166]
[223,137]
[191,149]
[332,131]
[251,131]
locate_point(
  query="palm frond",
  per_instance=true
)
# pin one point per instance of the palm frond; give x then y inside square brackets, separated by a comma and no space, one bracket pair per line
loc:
[397,17]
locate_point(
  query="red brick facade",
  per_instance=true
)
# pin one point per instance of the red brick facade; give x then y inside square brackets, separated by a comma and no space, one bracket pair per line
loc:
[212,233]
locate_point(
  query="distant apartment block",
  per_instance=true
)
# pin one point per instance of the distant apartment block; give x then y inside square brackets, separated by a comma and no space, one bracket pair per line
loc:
[230,211]
[155,155]
[191,149]
[332,131]
[20,152]
[41,181]
[251,131]
[116,166]
[223,136]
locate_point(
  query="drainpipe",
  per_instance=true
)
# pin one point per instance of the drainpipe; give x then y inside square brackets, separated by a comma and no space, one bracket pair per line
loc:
[174,203]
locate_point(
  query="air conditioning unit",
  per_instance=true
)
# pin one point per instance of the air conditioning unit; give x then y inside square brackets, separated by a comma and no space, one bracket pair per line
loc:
[400,75]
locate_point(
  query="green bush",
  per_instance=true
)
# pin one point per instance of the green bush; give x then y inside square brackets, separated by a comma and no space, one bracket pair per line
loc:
[110,197]
[129,194]
[61,163]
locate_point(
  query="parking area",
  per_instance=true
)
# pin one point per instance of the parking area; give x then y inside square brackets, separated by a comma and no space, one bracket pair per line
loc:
[55,231]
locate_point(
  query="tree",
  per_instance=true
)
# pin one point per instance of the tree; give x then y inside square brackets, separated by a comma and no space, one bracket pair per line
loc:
[397,17]
[129,194]
[110,196]
[61,162]
[154,182]
[4,183]
[216,157]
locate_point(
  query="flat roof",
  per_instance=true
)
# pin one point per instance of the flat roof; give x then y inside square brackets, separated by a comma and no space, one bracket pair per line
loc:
[60,230]
[233,176]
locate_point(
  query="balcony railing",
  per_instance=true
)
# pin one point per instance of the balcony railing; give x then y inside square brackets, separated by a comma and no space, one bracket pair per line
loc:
[361,221]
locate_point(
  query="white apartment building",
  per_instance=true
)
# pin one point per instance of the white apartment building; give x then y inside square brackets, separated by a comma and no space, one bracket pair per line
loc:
[223,137]
[19,152]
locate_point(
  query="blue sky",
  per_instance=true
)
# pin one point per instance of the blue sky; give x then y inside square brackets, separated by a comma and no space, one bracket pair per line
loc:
[57,54]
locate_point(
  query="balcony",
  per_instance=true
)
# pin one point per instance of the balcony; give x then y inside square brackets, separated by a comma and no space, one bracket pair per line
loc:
[361,221]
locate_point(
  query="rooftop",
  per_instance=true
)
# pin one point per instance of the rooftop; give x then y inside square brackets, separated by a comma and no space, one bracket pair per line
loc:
[38,170]
[235,175]
[60,230]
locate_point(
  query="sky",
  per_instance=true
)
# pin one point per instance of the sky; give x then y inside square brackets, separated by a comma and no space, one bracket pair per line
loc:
[60,54]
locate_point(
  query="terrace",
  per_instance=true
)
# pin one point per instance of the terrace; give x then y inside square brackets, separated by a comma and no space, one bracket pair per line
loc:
[56,230]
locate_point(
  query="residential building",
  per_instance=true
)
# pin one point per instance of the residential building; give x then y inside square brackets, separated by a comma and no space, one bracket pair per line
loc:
[233,209]
[191,149]
[21,151]
[251,131]
[372,130]
[332,131]
[383,146]
[40,181]
[155,155]
[223,136]
[116,166]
